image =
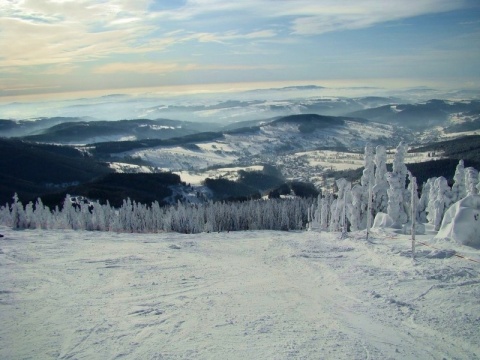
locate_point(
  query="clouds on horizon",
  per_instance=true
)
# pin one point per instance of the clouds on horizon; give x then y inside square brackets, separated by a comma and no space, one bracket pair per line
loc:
[59,38]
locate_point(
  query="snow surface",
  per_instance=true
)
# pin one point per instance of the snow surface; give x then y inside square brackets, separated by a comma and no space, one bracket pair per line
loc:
[263,144]
[230,173]
[259,295]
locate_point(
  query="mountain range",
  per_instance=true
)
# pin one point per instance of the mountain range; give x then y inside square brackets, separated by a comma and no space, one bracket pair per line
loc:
[34,164]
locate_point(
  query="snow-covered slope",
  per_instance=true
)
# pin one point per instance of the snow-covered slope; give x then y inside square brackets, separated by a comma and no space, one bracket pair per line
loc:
[258,295]
[297,133]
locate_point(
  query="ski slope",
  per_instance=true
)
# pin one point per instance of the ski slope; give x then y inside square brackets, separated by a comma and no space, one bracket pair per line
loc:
[244,295]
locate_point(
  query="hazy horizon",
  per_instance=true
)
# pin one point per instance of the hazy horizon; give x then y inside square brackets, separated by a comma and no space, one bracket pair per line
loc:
[216,102]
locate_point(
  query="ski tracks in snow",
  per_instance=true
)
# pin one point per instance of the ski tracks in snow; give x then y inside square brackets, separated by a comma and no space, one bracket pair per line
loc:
[259,295]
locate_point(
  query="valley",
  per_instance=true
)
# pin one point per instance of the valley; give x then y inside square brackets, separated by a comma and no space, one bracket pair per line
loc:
[305,138]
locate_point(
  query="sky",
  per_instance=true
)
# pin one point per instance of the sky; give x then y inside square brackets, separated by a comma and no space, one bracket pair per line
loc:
[53,47]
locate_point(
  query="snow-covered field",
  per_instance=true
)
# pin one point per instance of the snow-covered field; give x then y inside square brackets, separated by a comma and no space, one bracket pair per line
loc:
[244,295]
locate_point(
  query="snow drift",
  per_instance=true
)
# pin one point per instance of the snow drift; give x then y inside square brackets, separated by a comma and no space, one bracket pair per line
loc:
[461,222]
[383,220]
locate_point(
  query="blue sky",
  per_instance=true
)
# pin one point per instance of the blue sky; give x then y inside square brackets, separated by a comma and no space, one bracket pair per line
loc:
[64,46]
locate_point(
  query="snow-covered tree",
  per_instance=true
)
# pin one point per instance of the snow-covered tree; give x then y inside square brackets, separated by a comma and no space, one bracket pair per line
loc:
[478,185]
[396,192]
[42,215]
[438,202]
[413,198]
[471,181]
[367,182]
[458,188]
[338,205]
[422,206]
[355,207]
[381,185]
[18,218]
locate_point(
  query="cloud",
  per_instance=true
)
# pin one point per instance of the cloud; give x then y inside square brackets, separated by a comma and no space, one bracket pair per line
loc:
[309,17]
[331,16]
[68,38]
[48,32]
[65,31]
[159,68]
[140,68]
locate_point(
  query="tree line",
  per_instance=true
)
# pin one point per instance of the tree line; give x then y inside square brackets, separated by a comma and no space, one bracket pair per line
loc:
[388,196]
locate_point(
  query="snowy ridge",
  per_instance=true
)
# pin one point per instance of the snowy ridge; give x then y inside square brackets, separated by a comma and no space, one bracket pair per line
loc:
[268,140]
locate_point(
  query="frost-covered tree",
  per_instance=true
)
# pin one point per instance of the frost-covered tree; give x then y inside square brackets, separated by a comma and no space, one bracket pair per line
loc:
[439,200]
[287,214]
[413,198]
[325,211]
[338,205]
[432,194]
[396,192]
[42,215]
[478,185]
[367,182]
[471,181]
[458,188]
[314,214]
[18,218]
[355,207]
[395,199]
[422,206]
[5,215]
[381,185]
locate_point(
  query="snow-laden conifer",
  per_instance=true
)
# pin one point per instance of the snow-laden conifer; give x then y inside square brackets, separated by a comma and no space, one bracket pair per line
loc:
[325,211]
[355,207]
[381,185]
[439,201]
[338,205]
[367,182]
[396,191]
[18,218]
[471,181]
[458,188]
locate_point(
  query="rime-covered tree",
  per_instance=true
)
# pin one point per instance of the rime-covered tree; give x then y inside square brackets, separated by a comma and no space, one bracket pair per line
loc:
[367,182]
[18,217]
[478,185]
[412,191]
[439,201]
[355,207]
[396,192]
[458,188]
[42,215]
[338,205]
[422,206]
[471,181]
[381,185]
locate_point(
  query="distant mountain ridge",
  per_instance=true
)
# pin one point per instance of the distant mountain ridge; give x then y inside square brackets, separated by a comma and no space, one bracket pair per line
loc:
[138,129]
[305,124]
[422,116]
[82,131]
